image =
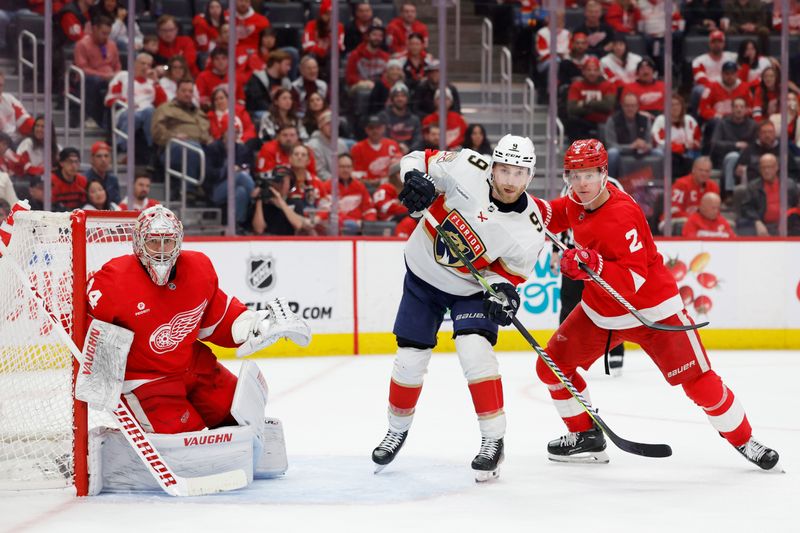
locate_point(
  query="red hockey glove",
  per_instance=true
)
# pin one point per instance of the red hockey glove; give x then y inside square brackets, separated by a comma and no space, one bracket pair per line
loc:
[570,262]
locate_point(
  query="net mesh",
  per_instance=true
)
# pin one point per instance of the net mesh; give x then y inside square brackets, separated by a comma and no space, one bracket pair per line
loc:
[36,404]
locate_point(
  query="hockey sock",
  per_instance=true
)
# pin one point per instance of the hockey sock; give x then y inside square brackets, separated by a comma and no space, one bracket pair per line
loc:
[568,408]
[403,398]
[487,396]
[724,411]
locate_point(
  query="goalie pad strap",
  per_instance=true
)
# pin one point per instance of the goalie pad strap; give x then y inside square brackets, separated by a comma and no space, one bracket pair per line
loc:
[102,372]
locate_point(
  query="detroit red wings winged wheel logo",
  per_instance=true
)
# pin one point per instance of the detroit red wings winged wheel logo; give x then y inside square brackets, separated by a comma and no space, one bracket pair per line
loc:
[167,336]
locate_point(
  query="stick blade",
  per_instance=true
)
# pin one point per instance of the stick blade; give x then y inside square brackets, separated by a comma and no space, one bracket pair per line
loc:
[200,486]
[636,448]
[668,327]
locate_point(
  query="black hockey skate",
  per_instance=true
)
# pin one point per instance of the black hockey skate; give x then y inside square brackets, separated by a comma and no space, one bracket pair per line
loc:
[388,448]
[584,447]
[758,454]
[487,463]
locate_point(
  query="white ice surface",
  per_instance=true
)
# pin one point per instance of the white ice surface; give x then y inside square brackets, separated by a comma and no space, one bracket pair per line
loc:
[333,409]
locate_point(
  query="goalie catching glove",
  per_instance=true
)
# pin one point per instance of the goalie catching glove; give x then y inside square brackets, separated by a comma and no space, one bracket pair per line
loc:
[256,330]
[502,308]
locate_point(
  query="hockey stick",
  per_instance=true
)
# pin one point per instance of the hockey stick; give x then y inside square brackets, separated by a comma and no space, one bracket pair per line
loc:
[636,448]
[130,428]
[619,298]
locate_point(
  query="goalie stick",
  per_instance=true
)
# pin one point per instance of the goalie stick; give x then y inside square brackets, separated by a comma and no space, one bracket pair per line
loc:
[619,298]
[636,448]
[130,428]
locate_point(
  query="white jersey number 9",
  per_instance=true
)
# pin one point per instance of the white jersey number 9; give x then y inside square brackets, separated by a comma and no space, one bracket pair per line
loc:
[633,236]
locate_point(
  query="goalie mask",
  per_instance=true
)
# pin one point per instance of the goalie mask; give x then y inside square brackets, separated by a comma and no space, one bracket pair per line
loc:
[157,240]
[585,161]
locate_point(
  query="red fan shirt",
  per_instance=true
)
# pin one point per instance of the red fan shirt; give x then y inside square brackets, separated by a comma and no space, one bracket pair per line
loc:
[354,200]
[204,33]
[181,46]
[248,29]
[650,95]
[717,100]
[167,321]
[271,156]
[456,128]
[218,124]
[686,195]
[397,32]
[372,163]
[581,90]
[386,202]
[70,195]
[699,227]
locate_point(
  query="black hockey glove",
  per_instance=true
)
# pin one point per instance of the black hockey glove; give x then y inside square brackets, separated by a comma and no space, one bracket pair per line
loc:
[418,191]
[501,309]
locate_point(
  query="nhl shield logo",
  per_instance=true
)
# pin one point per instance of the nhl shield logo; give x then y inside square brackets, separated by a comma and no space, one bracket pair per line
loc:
[464,237]
[261,272]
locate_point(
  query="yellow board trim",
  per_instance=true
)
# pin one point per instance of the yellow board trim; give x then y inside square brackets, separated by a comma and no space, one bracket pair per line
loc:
[511,340]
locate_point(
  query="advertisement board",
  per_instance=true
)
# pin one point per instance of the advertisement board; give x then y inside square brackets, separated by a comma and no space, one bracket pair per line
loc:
[349,290]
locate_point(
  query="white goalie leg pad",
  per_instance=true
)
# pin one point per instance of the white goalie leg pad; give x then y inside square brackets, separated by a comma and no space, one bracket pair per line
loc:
[115,467]
[272,461]
[477,357]
[247,408]
[250,396]
[102,372]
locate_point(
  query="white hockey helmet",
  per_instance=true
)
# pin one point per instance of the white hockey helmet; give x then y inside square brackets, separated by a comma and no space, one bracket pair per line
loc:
[515,150]
[157,239]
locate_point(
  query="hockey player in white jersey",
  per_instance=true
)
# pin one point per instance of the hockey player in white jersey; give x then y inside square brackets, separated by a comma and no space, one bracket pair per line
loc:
[482,204]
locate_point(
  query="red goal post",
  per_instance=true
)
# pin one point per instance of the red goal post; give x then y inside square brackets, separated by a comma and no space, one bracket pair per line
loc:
[43,429]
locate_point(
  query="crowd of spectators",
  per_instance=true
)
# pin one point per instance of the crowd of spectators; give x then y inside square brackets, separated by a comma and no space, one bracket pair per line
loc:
[610,85]
[724,105]
[284,160]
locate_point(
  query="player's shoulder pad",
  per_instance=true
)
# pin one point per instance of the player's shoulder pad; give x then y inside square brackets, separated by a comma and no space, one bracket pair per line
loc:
[116,267]
[544,208]
[195,259]
[626,204]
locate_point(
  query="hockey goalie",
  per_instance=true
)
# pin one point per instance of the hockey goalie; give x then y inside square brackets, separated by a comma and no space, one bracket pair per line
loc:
[149,312]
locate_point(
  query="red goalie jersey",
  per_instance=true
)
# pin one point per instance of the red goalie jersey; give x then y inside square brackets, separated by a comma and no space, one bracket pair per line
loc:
[167,321]
[631,262]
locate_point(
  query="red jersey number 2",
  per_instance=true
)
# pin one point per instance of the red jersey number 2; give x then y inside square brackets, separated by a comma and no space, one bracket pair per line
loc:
[633,236]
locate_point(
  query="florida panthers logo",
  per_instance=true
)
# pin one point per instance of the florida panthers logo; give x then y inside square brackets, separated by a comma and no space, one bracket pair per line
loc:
[167,336]
[465,238]
[261,272]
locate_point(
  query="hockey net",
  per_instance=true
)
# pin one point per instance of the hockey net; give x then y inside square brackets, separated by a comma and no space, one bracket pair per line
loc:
[43,430]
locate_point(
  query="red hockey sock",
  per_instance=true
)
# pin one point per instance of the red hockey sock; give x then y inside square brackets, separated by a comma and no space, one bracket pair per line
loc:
[403,398]
[724,411]
[573,414]
[487,396]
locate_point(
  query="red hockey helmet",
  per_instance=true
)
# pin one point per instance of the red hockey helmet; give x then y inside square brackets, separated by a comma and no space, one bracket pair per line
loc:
[585,153]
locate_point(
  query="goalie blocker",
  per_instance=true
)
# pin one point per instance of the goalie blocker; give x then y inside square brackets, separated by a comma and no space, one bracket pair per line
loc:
[256,446]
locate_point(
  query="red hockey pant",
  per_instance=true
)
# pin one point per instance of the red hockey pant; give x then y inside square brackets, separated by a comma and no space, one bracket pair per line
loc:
[199,398]
[680,356]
